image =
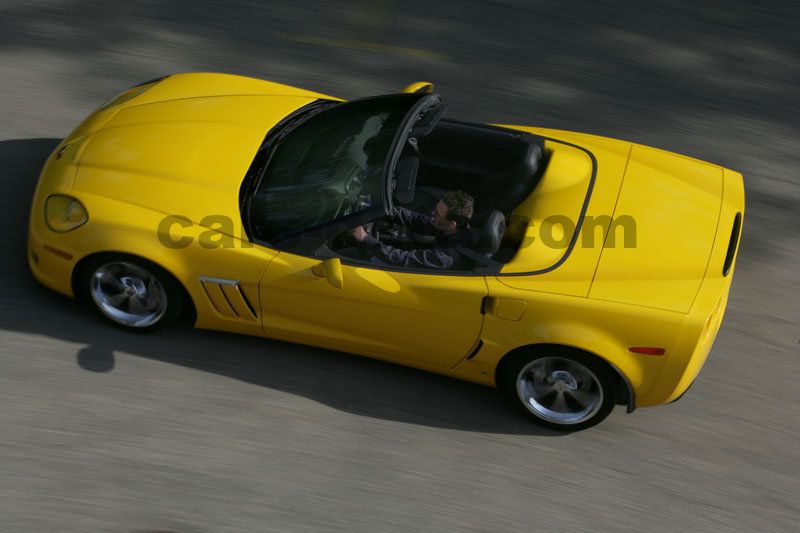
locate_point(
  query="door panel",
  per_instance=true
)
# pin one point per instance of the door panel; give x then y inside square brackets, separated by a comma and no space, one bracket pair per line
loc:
[427,318]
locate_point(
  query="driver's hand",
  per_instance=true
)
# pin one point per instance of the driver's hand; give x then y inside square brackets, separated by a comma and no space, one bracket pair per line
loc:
[359,233]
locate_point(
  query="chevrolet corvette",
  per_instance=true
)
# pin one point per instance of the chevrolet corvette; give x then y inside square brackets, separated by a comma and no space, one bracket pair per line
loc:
[599,269]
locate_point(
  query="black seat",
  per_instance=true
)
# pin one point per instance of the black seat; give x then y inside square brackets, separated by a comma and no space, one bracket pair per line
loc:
[498,167]
[485,241]
[508,190]
[487,233]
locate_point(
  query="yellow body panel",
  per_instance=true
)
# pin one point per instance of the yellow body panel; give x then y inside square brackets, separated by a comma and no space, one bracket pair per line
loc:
[559,195]
[427,319]
[590,325]
[566,184]
[115,226]
[182,147]
[195,86]
[184,157]
[703,320]
[675,204]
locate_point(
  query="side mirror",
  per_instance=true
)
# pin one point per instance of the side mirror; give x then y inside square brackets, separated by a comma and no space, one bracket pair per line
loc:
[419,87]
[331,270]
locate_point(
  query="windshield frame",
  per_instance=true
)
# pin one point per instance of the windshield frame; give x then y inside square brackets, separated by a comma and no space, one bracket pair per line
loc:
[426,103]
[307,240]
[256,171]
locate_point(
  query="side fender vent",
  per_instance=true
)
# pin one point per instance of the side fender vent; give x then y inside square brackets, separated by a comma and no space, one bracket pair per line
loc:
[228,299]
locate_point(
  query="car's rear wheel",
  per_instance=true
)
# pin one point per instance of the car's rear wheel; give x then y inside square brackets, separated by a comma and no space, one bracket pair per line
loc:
[130,292]
[560,388]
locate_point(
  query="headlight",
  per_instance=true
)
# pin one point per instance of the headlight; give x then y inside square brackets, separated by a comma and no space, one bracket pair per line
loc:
[130,94]
[64,213]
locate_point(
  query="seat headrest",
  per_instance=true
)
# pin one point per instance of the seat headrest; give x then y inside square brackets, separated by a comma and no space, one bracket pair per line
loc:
[487,234]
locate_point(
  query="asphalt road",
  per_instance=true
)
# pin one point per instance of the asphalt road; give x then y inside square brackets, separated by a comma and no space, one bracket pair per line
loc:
[192,431]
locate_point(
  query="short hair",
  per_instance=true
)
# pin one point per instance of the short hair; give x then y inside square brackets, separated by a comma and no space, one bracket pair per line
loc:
[459,207]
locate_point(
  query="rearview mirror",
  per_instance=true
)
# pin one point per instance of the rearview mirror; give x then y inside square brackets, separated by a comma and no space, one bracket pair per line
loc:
[419,87]
[331,270]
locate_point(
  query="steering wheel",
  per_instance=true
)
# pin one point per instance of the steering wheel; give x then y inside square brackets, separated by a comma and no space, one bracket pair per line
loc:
[371,229]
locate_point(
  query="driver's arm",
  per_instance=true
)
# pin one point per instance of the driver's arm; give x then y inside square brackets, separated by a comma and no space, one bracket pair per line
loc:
[439,258]
[419,223]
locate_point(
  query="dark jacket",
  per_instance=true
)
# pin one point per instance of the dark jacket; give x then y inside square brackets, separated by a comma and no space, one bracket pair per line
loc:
[444,255]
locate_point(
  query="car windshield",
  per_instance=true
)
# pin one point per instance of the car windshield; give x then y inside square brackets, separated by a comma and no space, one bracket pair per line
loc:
[330,166]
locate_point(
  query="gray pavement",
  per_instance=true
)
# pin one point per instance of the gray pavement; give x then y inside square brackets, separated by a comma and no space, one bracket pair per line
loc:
[192,431]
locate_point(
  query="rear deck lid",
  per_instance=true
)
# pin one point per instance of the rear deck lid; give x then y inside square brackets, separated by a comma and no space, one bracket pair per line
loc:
[671,204]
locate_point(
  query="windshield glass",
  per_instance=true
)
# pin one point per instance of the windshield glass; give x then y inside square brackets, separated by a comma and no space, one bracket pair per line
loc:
[329,167]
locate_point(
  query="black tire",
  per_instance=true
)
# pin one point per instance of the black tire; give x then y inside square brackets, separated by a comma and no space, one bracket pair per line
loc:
[558,387]
[160,288]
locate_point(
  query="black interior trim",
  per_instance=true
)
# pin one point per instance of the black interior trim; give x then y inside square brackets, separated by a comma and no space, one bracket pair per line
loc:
[498,167]
[310,242]
[425,104]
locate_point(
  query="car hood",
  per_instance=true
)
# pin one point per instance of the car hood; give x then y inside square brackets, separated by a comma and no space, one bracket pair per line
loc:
[183,157]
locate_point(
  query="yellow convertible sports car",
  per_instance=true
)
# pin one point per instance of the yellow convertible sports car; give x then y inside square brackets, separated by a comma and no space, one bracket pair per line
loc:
[595,272]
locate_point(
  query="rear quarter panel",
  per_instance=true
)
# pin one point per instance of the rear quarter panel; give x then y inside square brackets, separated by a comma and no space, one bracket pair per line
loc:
[605,329]
[559,308]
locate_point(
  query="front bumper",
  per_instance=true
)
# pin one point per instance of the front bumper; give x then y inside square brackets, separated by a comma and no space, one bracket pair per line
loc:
[51,256]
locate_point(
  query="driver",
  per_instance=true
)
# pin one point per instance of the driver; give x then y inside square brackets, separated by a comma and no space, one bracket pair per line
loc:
[449,224]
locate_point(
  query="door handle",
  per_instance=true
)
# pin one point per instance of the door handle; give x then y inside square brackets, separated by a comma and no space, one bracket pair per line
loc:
[488,304]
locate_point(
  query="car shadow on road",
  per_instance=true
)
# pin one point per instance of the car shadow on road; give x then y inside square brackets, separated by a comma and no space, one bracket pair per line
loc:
[349,383]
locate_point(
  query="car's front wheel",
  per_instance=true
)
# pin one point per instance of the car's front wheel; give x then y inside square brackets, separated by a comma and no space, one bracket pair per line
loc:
[560,388]
[131,292]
